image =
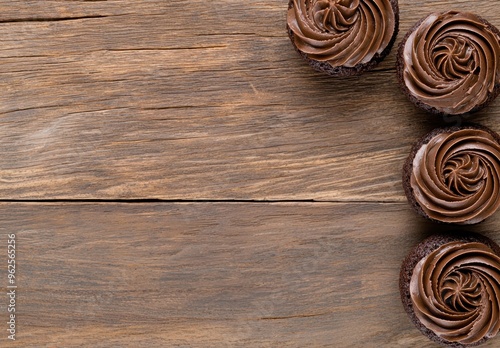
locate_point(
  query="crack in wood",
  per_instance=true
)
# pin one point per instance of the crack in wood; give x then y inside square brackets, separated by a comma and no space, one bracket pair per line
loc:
[297,316]
[50,19]
[163,48]
[201,201]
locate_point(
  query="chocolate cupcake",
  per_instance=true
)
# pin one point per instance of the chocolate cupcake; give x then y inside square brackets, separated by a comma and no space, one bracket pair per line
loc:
[449,63]
[343,37]
[450,288]
[452,174]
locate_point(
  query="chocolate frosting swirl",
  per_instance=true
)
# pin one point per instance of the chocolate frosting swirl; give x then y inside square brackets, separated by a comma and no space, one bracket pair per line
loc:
[455,292]
[450,62]
[341,32]
[456,176]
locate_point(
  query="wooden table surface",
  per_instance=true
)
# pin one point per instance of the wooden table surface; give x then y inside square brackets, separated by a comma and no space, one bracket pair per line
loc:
[176,176]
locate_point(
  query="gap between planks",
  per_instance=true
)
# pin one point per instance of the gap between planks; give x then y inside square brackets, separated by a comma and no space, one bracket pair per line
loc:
[196,201]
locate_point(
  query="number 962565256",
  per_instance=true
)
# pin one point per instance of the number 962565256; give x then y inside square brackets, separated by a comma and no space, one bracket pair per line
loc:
[11,261]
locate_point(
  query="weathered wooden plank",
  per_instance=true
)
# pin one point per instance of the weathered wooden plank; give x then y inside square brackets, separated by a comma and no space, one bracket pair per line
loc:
[194,100]
[212,275]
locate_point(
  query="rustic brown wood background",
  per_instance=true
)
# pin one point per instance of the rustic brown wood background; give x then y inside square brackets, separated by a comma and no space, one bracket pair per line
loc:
[177,176]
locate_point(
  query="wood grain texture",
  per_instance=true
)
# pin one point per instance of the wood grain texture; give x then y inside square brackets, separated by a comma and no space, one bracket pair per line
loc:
[203,100]
[213,275]
[195,100]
